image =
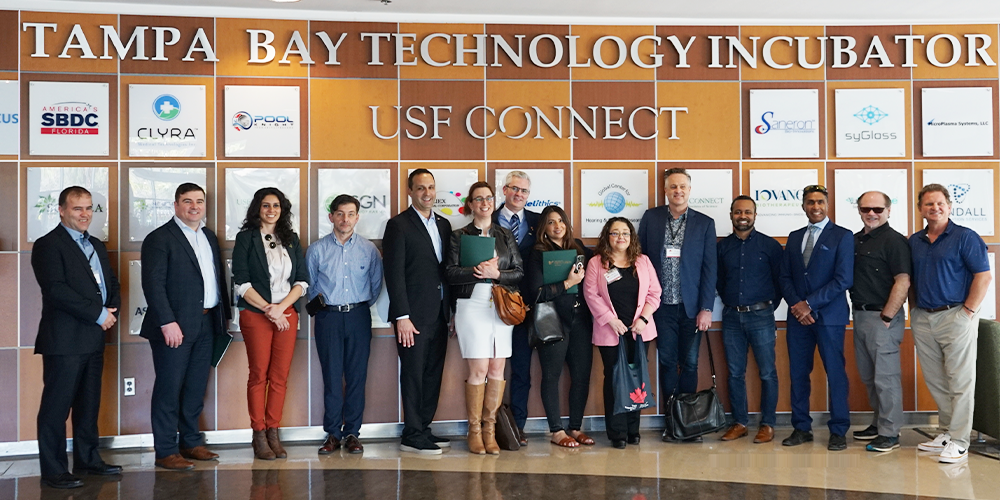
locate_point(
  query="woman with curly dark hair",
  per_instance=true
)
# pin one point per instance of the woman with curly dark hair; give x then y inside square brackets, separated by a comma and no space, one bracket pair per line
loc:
[270,274]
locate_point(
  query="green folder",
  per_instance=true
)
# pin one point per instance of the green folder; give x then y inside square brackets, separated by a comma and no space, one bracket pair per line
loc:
[220,344]
[556,266]
[476,249]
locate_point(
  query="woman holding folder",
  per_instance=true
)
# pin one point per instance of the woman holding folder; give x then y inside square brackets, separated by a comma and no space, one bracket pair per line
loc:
[482,254]
[622,290]
[552,275]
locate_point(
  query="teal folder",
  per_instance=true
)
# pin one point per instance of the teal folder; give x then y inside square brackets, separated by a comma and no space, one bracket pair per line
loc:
[476,249]
[556,266]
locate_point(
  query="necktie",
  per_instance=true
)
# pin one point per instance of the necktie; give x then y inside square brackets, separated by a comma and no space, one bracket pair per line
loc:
[809,245]
[515,225]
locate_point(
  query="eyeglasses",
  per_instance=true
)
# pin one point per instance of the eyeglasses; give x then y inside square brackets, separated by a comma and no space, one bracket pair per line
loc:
[814,188]
[516,190]
[865,210]
[480,199]
[622,235]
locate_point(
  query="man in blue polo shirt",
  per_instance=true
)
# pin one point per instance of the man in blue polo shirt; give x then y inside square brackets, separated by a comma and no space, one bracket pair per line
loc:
[951,274]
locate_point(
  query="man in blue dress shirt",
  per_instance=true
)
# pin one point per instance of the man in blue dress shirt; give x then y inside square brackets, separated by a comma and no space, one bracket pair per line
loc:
[346,269]
[950,276]
[749,266]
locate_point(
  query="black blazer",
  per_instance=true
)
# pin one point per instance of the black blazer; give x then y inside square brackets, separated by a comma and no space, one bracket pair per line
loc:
[414,279]
[567,305]
[462,279]
[71,297]
[172,284]
[531,219]
[250,265]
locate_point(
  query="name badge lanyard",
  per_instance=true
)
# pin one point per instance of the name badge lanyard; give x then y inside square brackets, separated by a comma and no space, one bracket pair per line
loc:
[673,234]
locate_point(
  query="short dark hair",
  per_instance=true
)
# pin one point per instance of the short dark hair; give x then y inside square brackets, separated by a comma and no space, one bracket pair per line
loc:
[185,188]
[467,207]
[344,199]
[72,191]
[888,201]
[932,188]
[742,197]
[676,170]
[419,171]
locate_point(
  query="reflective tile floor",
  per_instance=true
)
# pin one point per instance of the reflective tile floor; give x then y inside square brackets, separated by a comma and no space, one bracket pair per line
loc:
[739,470]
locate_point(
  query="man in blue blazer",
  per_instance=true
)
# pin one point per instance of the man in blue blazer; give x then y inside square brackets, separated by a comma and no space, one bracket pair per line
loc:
[680,242]
[817,268]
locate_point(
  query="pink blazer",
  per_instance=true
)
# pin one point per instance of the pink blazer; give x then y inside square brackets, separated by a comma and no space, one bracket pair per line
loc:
[595,288]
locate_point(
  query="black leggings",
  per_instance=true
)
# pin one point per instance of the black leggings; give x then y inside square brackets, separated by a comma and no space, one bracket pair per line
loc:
[577,352]
[621,425]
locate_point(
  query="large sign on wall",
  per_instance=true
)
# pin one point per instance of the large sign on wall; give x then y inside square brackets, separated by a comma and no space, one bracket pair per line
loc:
[871,123]
[166,120]
[711,194]
[151,196]
[68,118]
[452,187]
[41,204]
[10,117]
[611,193]
[958,121]
[546,188]
[369,185]
[262,121]
[784,123]
[973,203]
[852,183]
[242,183]
[778,194]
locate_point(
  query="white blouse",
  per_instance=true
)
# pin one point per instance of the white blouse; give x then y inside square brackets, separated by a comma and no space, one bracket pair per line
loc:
[279,267]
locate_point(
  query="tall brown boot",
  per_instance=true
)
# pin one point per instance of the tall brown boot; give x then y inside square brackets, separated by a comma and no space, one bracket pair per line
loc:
[491,403]
[274,443]
[260,448]
[474,406]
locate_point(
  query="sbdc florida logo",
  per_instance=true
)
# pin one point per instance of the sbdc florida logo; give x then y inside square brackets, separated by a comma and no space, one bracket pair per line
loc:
[166,107]
[70,118]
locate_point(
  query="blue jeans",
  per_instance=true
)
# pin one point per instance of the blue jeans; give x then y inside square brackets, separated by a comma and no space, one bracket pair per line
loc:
[677,348]
[754,329]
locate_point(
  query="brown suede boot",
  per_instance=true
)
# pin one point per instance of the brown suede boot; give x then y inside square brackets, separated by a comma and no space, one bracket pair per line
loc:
[260,448]
[474,406]
[491,403]
[274,443]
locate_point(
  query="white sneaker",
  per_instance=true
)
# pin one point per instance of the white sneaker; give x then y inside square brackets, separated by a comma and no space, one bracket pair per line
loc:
[937,444]
[952,454]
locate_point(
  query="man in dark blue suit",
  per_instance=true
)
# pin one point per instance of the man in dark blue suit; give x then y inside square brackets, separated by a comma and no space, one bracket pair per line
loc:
[188,305]
[817,268]
[523,223]
[680,242]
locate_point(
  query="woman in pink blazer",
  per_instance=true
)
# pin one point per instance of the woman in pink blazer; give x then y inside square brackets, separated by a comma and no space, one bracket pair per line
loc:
[622,290]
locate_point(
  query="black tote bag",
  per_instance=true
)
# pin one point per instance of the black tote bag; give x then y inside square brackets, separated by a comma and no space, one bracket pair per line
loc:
[632,390]
[697,414]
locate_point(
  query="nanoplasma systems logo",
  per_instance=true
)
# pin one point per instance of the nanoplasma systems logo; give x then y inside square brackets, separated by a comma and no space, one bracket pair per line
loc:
[70,118]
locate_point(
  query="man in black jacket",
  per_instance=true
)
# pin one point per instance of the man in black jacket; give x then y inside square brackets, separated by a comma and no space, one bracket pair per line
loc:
[188,304]
[414,247]
[80,299]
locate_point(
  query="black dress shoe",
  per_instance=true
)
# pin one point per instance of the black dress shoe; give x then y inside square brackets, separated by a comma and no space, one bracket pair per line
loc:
[63,481]
[837,443]
[798,437]
[618,443]
[440,441]
[633,439]
[101,469]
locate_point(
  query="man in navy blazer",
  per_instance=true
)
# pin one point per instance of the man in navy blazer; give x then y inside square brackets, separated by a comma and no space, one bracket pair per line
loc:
[680,242]
[80,299]
[184,284]
[817,268]
[513,215]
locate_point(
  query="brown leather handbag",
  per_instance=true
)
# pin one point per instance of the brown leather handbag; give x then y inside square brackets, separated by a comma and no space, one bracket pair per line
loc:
[509,303]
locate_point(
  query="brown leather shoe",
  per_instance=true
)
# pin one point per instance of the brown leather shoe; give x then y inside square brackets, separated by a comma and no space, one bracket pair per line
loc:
[260,448]
[736,431]
[174,462]
[353,445]
[198,453]
[331,445]
[765,434]
[274,443]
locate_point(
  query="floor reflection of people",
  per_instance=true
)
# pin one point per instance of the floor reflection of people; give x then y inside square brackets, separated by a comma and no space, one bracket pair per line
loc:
[265,485]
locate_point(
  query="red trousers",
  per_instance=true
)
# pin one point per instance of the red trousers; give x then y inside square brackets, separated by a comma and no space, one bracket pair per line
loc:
[269,353]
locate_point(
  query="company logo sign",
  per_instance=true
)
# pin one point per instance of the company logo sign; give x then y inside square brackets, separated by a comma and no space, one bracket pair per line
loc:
[166,107]
[934,122]
[614,199]
[70,118]
[788,125]
[10,118]
[243,120]
[871,115]
[958,191]
[452,204]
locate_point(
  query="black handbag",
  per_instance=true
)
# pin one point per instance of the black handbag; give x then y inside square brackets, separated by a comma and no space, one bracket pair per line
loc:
[546,326]
[631,388]
[693,415]
[506,432]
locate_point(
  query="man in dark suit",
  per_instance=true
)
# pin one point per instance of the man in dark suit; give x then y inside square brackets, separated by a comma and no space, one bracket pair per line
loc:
[80,299]
[817,268]
[523,223]
[680,242]
[188,305]
[414,245]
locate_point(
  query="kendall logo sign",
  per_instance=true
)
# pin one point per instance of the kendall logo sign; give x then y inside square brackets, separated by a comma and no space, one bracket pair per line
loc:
[871,123]
[785,123]
[973,202]
[68,118]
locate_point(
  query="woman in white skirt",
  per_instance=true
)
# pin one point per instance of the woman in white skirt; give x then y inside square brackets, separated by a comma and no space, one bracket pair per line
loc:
[485,340]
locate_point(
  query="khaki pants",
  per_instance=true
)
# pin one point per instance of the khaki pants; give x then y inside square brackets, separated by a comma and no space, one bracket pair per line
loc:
[946,344]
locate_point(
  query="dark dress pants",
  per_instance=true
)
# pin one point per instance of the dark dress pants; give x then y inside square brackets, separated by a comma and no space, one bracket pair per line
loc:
[802,343]
[520,374]
[179,389]
[420,371]
[622,425]
[677,348]
[343,343]
[70,382]
[577,352]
